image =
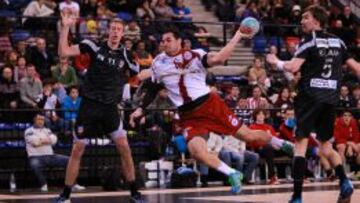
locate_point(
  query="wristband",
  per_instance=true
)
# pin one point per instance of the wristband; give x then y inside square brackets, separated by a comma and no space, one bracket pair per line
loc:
[280,65]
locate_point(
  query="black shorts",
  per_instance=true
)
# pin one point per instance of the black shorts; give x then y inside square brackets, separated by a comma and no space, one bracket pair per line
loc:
[312,116]
[97,119]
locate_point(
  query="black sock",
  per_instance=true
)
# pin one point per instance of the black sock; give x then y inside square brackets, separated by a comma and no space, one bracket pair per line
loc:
[133,188]
[329,172]
[67,191]
[299,165]
[339,171]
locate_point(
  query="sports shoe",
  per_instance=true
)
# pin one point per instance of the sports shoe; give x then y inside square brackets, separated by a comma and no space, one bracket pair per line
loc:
[235,180]
[78,187]
[274,181]
[44,188]
[295,200]
[137,198]
[61,199]
[346,190]
[288,148]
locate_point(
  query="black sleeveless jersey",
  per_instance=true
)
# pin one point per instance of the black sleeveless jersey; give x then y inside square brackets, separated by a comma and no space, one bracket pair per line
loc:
[321,72]
[108,72]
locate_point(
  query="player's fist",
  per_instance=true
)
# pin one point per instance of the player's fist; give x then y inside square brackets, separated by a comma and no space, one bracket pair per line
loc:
[67,19]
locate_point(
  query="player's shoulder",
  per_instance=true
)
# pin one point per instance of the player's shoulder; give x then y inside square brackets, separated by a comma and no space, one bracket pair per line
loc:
[161,58]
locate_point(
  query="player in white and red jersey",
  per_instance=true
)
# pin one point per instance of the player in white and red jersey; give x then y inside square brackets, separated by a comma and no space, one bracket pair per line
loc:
[183,73]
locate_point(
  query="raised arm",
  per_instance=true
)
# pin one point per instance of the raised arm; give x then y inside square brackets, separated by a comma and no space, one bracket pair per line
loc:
[64,49]
[292,66]
[354,66]
[219,58]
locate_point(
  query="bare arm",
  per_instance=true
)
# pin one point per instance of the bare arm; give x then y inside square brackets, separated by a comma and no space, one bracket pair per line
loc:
[218,58]
[354,66]
[290,66]
[64,49]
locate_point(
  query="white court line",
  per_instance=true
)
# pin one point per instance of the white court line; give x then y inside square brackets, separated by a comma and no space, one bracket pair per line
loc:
[160,191]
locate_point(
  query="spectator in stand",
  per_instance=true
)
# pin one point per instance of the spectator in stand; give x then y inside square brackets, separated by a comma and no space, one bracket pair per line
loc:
[11,59]
[5,43]
[251,11]
[258,76]
[243,112]
[266,151]
[142,56]
[88,29]
[20,69]
[70,106]
[256,99]
[9,94]
[235,151]
[132,31]
[64,73]
[347,18]
[289,52]
[128,43]
[347,137]
[163,11]
[345,98]
[37,8]
[182,12]
[284,100]
[233,97]
[30,87]
[356,94]
[295,15]
[145,10]
[186,44]
[89,7]
[48,101]
[72,8]
[150,33]
[39,141]
[41,58]
[21,48]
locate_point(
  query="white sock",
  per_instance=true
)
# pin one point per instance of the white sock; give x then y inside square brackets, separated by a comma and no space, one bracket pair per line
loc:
[276,141]
[225,169]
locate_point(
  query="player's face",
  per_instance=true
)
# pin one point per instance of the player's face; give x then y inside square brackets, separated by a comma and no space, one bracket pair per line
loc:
[171,45]
[308,22]
[116,32]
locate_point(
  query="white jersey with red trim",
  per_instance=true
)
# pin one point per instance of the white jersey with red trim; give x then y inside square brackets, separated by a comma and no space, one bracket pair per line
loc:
[183,75]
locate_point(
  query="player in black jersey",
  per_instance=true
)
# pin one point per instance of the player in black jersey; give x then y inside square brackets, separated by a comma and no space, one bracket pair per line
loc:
[110,66]
[319,58]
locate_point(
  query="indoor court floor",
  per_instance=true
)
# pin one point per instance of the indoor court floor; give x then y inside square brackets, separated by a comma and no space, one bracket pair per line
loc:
[320,192]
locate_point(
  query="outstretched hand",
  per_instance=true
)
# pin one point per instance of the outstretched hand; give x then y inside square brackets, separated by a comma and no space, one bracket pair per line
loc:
[272,59]
[67,19]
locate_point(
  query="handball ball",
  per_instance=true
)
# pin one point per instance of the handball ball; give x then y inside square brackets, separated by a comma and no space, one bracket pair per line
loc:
[250,26]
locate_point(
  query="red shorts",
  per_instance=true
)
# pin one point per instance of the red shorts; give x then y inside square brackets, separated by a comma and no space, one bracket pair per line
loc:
[211,116]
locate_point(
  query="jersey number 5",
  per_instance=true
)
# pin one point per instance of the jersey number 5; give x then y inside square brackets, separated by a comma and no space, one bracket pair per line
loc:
[327,70]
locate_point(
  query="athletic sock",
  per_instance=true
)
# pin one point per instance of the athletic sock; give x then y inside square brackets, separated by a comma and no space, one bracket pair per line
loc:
[340,172]
[225,169]
[299,165]
[66,192]
[133,188]
[276,141]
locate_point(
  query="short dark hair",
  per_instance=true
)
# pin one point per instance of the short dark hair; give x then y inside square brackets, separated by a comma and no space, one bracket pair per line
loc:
[172,30]
[319,13]
[116,20]
[73,87]
[257,112]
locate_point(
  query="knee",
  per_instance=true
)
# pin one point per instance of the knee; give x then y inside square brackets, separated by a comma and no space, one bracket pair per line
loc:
[35,164]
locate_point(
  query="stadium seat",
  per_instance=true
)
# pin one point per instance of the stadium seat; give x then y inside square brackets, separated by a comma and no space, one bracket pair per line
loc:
[259,44]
